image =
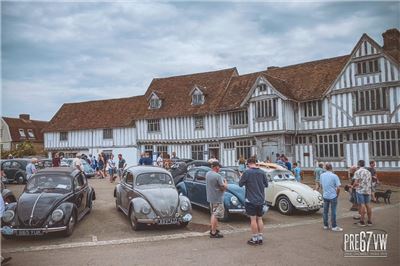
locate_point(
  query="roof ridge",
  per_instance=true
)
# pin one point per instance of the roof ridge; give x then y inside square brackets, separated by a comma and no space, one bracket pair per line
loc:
[198,73]
[105,100]
[309,62]
[17,118]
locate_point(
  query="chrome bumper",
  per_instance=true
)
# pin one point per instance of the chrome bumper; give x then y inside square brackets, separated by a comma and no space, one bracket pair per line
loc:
[38,231]
[241,211]
[309,208]
[185,218]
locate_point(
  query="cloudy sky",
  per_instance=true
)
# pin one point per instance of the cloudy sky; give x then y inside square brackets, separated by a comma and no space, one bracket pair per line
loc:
[54,53]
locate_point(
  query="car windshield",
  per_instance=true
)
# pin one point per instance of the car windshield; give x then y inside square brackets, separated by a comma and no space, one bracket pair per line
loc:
[230,176]
[66,162]
[153,179]
[49,183]
[282,176]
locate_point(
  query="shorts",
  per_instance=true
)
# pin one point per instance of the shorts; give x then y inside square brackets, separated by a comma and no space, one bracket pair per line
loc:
[363,198]
[254,210]
[217,209]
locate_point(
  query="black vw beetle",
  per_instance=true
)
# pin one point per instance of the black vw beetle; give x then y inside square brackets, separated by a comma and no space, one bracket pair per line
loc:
[147,195]
[53,200]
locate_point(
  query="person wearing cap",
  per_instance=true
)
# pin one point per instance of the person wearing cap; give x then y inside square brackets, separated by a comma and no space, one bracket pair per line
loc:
[215,187]
[31,168]
[255,182]
[77,163]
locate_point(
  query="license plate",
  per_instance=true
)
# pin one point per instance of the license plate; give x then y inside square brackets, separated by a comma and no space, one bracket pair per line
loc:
[168,221]
[6,230]
[29,232]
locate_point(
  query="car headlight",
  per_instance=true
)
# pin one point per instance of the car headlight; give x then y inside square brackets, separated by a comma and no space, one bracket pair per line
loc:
[145,209]
[57,215]
[234,201]
[185,206]
[8,216]
[320,198]
[299,199]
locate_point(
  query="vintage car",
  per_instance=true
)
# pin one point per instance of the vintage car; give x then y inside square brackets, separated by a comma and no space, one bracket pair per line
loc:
[286,194]
[15,170]
[148,196]
[54,200]
[87,169]
[194,187]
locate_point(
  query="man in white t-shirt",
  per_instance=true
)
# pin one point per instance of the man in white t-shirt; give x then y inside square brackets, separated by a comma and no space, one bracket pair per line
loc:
[77,163]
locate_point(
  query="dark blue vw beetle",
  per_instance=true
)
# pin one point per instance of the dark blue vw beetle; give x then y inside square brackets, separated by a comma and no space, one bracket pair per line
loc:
[194,187]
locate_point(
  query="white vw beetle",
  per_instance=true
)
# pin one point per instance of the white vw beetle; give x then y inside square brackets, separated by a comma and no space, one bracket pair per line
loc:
[285,193]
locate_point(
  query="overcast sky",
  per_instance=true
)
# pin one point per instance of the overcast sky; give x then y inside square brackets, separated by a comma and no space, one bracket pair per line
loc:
[70,52]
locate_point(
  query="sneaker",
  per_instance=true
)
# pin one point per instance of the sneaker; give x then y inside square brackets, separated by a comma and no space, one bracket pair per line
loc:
[252,242]
[361,223]
[337,229]
[260,241]
[326,227]
[216,235]
[369,223]
[356,217]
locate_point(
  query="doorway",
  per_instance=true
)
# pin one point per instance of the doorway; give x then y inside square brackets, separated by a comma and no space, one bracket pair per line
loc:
[269,151]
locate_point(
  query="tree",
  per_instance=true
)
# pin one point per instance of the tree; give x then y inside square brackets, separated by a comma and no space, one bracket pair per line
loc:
[24,149]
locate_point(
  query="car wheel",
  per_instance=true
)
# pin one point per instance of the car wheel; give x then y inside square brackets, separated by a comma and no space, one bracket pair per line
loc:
[284,205]
[70,225]
[183,224]
[134,223]
[20,179]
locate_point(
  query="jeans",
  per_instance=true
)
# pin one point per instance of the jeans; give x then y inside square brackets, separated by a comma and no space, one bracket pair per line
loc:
[333,204]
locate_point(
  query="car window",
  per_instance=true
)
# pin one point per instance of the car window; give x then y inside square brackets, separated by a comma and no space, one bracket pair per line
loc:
[154,179]
[230,176]
[201,176]
[129,178]
[190,174]
[15,165]
[49,183]
[79,181]
[6,164]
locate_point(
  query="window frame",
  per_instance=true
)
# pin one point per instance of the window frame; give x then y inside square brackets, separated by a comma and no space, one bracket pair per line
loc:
[266,109]
[312,110]
[153,125]
[198,98]
[31,134]
[364,67]
[243,148]
[108,133]
[64,136]
[332,146]
[197,151]
[239,118]
[21,130]
[198,122]
[384,141]
[366,101]
[155,103]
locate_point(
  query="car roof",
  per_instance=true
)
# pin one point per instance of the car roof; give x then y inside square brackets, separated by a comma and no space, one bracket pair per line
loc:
[271,166]
[140,169]
[16,160]
[59,170]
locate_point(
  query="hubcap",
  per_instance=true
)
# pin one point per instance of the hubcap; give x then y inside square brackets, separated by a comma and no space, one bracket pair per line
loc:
[283,205]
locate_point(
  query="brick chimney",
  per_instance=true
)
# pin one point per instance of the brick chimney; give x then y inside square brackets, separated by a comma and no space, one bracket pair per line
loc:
[24,116]
[391,40]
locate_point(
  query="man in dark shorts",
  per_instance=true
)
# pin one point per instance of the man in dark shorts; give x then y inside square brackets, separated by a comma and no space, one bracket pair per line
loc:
[215,187]
[255,181]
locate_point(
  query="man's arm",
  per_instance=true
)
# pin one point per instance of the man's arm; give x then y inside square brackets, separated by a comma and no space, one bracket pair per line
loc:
[223,184]
[265,181]
[337,185]
[243,180]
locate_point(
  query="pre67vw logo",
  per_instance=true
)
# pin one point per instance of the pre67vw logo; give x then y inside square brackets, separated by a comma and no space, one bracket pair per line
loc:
[371,243]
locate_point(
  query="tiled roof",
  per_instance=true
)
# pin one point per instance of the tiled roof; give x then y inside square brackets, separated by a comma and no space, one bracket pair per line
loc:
[15,124]
[112,113]
[308,81]
[176,98]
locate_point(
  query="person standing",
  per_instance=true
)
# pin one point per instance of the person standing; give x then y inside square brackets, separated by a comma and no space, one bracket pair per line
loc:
[287,163]
[77,163]
[121,165]
[242,164]
[2,209]
[330,184]
[317,175]
[100,163]
[374,179]
[215,187]
[31,168]
[174,158]
[160,160]
[111,167]
[255,182]
[56,161]
[363,185]
[297,172]
[147,160]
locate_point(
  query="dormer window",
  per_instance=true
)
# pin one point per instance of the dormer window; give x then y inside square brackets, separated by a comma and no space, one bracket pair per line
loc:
[31,134]
[197,97]
[262,87]
[22,133]
[155,102]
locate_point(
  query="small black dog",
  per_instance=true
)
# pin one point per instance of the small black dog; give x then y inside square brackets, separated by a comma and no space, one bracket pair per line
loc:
[385,195]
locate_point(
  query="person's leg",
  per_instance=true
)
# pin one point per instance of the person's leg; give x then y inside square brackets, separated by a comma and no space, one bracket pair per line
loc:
[325,213]
[214,224]
[368,208]
[333,212]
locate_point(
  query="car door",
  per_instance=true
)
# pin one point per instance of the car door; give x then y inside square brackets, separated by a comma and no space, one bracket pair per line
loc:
[198,189]
[189,182]
[81,190]
[269,191]
[126,190]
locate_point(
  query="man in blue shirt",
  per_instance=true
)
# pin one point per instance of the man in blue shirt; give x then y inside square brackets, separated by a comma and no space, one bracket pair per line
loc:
[255,181]
[330,184]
